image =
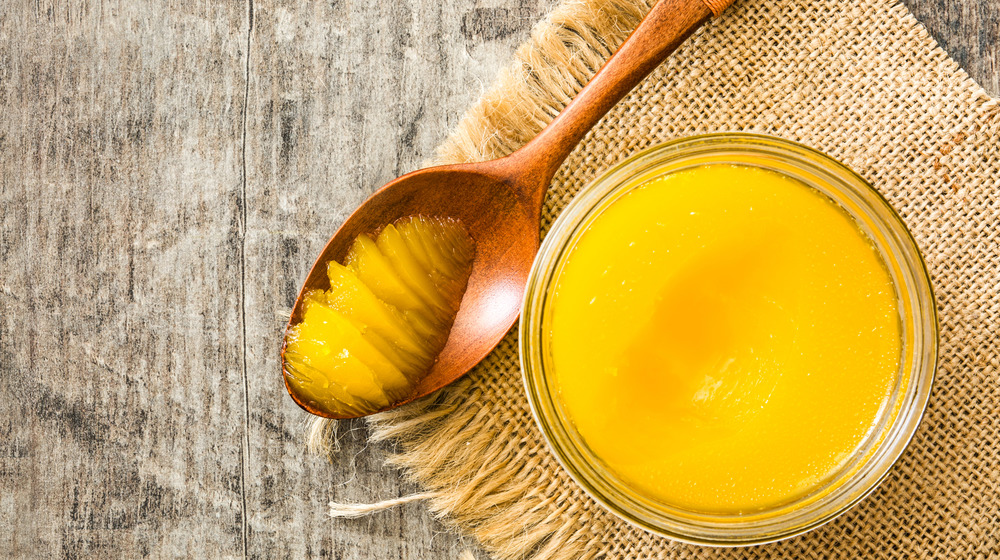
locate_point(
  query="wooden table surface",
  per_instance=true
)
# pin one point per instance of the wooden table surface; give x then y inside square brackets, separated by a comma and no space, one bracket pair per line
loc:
[168,172]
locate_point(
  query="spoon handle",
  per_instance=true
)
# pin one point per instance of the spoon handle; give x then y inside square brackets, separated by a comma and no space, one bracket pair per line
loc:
[663,29]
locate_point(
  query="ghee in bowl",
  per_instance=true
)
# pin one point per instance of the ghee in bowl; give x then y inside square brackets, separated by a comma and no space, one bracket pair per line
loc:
[728,339]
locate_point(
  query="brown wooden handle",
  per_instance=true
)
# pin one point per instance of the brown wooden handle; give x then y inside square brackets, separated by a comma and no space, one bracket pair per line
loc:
[666,26]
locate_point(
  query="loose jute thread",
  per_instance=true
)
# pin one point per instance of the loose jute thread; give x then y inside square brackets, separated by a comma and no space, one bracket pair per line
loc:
[861,81]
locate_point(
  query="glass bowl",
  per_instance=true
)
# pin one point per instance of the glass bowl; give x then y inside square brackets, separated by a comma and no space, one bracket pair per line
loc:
[897,421]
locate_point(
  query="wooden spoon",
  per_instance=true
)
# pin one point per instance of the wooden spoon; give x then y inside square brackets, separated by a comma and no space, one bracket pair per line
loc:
[500,201]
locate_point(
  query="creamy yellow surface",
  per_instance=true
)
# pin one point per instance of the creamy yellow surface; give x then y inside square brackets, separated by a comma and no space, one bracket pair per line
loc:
[723,338]
[364,343]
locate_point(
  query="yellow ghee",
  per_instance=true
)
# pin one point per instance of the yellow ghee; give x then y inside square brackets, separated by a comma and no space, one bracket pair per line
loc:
[724,338]
[364,343]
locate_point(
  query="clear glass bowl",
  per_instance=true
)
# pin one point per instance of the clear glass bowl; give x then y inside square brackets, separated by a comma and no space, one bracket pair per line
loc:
[898,420]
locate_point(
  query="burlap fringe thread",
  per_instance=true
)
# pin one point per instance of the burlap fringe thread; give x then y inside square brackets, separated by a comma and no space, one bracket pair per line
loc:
[527,511]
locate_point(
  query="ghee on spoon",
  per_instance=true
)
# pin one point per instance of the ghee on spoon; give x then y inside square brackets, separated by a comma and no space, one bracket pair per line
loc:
[499,205]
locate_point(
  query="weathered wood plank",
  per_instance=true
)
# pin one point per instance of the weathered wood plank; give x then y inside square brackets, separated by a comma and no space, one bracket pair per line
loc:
[121,398]
[969,30]
[344,96]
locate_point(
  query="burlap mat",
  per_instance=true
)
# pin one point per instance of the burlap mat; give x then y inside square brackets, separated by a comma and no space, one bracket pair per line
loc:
[864,83]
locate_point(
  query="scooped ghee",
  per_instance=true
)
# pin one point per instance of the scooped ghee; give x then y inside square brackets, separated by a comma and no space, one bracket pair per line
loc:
[364,343]
[723,338]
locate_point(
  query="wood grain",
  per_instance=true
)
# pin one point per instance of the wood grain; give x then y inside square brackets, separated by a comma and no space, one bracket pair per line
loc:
[167,173]
[120,347]
[969,30]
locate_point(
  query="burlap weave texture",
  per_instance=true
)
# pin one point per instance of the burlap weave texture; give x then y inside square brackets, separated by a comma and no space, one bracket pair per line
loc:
[862,82]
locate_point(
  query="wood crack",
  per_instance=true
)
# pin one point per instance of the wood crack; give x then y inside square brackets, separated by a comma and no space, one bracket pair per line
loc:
[245,452]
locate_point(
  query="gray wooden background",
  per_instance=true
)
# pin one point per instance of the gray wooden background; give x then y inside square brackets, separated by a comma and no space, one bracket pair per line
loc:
[168,172]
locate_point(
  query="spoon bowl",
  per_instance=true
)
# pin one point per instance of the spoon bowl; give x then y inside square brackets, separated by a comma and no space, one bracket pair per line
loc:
[499,202]
[501,218]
